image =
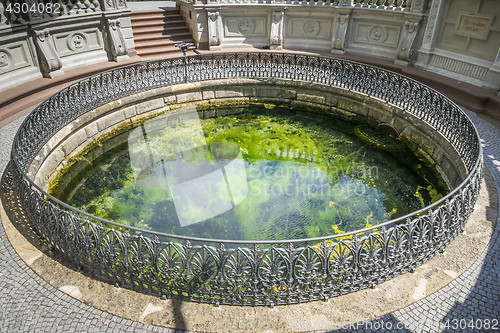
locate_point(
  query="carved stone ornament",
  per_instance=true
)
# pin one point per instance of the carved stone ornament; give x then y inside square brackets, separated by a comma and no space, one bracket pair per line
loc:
[405,49]
[411,27]
[431,24]
[214,28]
[340,32]
[246,26]
[116,40]
[213,16]
[311,28]
[5,60]
[377,34]
[47,56]
[77,42]
[277,30]
[418,6]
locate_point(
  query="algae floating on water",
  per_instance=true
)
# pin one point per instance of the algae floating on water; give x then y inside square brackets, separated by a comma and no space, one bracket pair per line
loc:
[304,179]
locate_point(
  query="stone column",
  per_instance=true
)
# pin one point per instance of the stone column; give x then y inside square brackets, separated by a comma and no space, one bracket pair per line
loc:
[405,48]
[50,63]
[276,36]
[431,32]
[339,34]
[214,29]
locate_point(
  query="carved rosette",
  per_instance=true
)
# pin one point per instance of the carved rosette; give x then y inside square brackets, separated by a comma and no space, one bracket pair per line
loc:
[276,37]
[377,34]
[310,28]
[49,60]
[115,38]
[340,32]
[5,60]
[77,42]
[405,49]
[246,26]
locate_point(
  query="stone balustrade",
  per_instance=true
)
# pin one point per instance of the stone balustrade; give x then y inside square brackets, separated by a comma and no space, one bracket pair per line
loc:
[44,38]
[420,33]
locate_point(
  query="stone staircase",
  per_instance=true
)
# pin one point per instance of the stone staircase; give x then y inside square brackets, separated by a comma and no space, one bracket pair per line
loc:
[157,31]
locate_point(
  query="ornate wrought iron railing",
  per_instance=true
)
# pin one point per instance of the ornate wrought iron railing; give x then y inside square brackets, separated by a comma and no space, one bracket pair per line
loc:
[247,272]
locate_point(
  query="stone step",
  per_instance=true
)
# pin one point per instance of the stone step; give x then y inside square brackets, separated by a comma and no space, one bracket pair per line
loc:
[162,30]
[158,22]
[156,32]
[145,14]
[160,37]
[150,18]
[162,41]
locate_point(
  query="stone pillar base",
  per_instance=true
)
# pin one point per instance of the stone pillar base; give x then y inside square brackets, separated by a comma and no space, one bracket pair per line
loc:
[339,52]
[122,58]
[402,63]
[54,74]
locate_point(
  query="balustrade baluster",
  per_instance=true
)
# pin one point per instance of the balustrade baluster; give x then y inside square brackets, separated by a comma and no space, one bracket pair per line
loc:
[70,5]
[97,5]
[79,6]
[86,6]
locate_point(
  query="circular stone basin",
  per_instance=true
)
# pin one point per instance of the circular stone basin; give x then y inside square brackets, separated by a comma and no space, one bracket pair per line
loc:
[199,172]
[259,175]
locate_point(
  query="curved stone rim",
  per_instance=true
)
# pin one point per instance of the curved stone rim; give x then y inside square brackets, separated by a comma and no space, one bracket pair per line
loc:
[477,165]
[283,276]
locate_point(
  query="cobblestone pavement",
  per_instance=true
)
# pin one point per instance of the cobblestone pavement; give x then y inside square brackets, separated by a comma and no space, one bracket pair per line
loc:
[29,304]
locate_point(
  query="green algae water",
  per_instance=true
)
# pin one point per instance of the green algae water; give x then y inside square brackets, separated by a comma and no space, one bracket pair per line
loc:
[258,175]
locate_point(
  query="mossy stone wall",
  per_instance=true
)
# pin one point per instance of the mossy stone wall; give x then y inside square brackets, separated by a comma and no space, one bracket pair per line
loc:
[211,98]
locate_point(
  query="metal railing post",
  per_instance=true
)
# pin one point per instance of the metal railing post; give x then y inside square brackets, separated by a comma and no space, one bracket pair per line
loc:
[184,47]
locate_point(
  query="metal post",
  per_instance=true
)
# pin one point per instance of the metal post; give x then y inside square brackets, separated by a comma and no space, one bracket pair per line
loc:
[184,47]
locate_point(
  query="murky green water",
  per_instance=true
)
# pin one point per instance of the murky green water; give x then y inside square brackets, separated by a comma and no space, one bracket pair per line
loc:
[252,176]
